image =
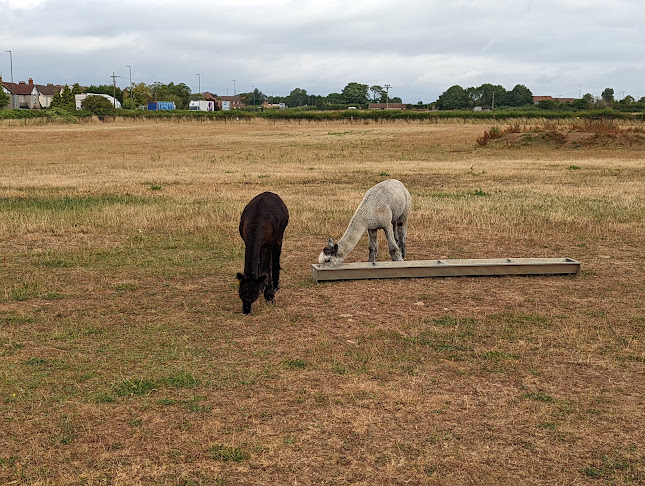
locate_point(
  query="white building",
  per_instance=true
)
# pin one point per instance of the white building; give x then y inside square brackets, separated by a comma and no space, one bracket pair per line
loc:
[81,97]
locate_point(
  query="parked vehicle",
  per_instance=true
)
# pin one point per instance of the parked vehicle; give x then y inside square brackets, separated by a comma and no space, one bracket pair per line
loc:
[202,105]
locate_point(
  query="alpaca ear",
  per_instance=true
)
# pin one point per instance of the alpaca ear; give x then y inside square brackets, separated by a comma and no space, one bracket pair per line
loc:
[336,248]
[261,279]
[330,242]
[240,277]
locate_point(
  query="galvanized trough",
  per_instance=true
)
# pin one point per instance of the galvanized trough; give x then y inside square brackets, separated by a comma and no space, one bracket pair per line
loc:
[446,268]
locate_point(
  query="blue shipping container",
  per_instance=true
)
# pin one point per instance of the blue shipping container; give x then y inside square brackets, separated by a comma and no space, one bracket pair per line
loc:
[165,105]
[161,105]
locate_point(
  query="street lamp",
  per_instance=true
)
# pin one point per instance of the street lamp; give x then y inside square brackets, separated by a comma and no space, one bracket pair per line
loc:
[11,62]
[387,96]
[199,83]
[130,90]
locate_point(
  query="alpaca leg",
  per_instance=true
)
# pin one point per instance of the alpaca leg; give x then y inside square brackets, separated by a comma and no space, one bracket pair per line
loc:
[402,231]
[397,235]
[275,264]
[395,252]
[373,245]
[266,264]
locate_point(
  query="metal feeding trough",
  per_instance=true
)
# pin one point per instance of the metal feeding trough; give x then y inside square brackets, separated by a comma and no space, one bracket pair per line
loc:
[446,268]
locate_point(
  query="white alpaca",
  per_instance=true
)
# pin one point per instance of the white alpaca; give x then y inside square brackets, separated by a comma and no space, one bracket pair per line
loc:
[385,206]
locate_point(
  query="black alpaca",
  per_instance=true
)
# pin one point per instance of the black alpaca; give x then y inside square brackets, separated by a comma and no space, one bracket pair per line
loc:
[262,225]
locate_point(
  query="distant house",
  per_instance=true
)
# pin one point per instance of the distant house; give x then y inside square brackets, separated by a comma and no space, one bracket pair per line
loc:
[230,103]
[276,106]
[46,94]
[25,95]
[209,96]
[387,106]
[538,99]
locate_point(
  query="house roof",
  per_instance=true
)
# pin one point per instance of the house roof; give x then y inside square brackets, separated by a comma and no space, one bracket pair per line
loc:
[391,106]
[20,88]
[537,99]
[48,90]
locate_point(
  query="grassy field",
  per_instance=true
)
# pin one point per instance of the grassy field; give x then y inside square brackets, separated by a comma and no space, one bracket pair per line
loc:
[125,357]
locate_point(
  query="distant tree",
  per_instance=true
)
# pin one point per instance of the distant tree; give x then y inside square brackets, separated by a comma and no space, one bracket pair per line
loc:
[355,94]
[547,105]
[454,98]
[642,100]
[627,100]
[491,95]
[256,98]
[64,100]
[520,95]
[378,94]
[182,91]
[396,99]
[179,93]
[76,89]
[608,95]
[4,99]
[317,100]
[98,105]
[335,99]
[581,104]
[107,89]
[589,100]
[297,97]
[141,94]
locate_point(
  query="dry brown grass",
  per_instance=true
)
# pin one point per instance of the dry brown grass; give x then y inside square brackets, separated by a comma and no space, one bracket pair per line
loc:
[125,358]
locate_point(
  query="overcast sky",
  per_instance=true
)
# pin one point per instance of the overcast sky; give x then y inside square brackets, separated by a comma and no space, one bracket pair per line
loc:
[421,48]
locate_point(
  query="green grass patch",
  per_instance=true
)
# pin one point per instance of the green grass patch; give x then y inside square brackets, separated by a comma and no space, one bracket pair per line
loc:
[143,386]
[538,397]
[69,203]
[498,356]
[295,364]
[15,319]
[226,453]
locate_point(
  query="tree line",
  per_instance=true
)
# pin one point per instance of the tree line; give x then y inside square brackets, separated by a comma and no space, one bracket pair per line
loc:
[495,96]
[354,94]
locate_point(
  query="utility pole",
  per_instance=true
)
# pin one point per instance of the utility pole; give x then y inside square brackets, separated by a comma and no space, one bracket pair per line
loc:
[114,76]
[253,94]
[234,92]
[11,61]
[130,89]
[387,96]
[199,83]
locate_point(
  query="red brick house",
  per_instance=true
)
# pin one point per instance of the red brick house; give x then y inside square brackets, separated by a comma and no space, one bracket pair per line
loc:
[387,106]
[233,102]
[25,95]
[537,99]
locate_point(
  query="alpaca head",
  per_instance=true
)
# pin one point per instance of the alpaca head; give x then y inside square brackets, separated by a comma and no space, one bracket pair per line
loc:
[250,289]
[330,254]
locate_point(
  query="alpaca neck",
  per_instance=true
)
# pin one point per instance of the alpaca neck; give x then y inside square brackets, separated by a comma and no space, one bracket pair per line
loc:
[351,237]
[252,261]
